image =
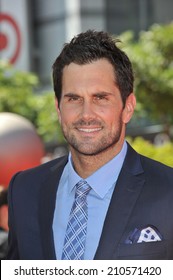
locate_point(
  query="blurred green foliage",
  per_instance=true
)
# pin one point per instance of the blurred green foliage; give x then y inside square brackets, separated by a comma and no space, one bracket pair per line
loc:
[162,153]
[18,95]
[152,58]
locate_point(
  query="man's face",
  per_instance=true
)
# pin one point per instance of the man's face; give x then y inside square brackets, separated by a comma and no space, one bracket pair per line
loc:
[91,111]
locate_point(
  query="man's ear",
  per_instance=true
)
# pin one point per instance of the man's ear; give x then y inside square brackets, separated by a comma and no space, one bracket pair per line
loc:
[58,109]
[129,108]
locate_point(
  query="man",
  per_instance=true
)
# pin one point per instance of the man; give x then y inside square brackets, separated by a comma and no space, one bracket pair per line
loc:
[103,201]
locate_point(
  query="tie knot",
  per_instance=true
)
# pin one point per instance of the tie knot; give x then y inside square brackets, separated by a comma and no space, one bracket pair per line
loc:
[82,189]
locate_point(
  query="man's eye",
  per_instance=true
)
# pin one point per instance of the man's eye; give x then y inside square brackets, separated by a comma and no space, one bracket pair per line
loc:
[73,98]
[100,97]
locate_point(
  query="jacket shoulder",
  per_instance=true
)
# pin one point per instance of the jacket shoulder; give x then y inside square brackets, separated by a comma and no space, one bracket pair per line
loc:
[141,163]
[38,173]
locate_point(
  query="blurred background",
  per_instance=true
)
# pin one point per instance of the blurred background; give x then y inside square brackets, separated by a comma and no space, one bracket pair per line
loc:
[32,33]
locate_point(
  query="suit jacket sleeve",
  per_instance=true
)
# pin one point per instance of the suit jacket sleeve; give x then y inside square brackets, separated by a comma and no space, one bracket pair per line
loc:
[12,239]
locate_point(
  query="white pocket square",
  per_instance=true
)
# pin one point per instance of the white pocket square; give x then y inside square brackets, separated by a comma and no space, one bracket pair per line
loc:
[145,234]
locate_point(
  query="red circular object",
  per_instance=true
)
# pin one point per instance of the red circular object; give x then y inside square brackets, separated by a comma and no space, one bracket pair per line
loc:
[10,20]
[3,41]
[20,146]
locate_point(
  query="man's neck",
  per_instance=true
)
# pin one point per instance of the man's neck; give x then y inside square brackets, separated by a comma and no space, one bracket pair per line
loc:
[86,165]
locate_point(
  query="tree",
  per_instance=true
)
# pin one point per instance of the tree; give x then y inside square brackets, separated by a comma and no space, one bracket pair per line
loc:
[16,91]
[18,95]
[152,58]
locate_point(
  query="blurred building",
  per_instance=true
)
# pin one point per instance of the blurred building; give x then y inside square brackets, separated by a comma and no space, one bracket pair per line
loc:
[32,32]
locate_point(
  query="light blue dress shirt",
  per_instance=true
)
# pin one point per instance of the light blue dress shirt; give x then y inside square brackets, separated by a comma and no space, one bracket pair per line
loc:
[102,183]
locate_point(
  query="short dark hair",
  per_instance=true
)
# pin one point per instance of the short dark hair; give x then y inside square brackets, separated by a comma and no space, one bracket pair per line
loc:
[90,46]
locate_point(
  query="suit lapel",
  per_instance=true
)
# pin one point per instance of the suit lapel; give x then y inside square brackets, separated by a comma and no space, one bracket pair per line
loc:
[47,207]
[127,190]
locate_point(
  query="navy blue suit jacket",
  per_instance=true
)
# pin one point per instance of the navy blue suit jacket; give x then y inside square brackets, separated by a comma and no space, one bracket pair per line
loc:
[143,196]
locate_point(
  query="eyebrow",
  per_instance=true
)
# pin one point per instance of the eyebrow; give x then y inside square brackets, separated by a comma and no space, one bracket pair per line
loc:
[103,93]
[70,94]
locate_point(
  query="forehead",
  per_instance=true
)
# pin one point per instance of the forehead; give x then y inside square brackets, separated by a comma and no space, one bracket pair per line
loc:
[90,79]
[99,70]
[95,63]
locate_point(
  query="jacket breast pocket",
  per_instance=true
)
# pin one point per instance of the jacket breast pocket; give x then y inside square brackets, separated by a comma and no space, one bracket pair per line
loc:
[142,251]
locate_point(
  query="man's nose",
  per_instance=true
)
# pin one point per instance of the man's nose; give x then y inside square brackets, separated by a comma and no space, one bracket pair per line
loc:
[88,110]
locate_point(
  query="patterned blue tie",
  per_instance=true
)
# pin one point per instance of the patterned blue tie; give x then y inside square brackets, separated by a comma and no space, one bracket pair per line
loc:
[74,244]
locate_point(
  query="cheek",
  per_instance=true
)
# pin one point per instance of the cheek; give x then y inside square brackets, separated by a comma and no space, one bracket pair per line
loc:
[67,117]
[110,116]
[65,114]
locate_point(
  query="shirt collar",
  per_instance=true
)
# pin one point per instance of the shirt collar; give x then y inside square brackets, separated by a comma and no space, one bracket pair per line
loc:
[104,178]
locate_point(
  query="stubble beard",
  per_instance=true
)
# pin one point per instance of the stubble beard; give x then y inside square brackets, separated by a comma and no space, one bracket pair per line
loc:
[90,147]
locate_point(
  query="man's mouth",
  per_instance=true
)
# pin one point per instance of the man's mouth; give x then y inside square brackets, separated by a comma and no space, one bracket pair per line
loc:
[89,130]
